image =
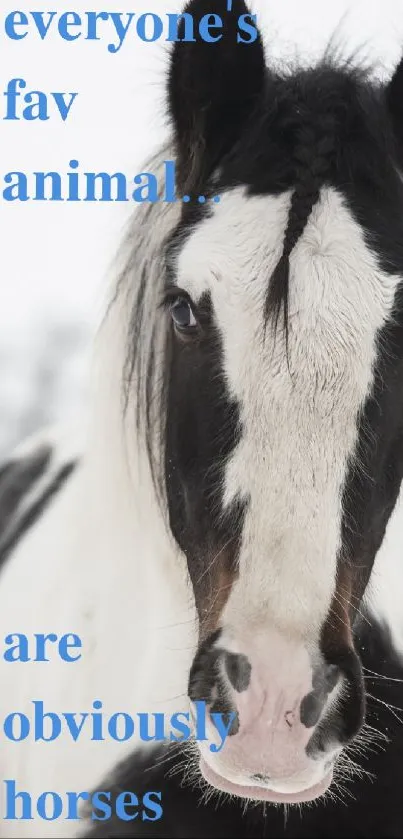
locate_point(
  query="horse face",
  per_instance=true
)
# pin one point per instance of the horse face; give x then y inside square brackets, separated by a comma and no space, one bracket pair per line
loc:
[284,397]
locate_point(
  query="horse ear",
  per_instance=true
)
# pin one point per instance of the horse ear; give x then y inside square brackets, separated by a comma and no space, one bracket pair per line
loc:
[394,98]
[213,85]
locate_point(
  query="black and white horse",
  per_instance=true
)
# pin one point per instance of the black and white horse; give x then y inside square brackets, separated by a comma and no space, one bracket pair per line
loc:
[232,530]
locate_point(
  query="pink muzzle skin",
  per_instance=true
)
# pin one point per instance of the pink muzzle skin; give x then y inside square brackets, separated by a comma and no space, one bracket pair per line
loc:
[260,793]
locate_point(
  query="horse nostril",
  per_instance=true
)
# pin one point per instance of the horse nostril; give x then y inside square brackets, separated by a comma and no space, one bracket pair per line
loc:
[238,671]
[311,709]
[312,705]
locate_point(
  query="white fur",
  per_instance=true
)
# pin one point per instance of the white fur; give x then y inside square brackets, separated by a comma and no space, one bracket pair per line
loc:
[299,419]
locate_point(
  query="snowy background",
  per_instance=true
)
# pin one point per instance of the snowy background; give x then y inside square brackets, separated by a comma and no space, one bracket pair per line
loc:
[54,256]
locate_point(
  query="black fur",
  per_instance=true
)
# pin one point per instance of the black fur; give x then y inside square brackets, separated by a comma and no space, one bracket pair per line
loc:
[202,429]
[211,92]
[17,479]
[394,98]
[375,476]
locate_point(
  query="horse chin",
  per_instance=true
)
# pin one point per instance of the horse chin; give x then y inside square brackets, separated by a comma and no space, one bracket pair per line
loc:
[260,793]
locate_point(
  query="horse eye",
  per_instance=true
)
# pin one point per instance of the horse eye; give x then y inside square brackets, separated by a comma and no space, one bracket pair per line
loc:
[182,315]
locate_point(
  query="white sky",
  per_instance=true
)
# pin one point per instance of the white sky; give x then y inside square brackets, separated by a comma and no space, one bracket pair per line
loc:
[54,256]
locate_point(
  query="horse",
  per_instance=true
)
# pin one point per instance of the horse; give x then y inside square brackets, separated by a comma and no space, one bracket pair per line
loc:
[227,528]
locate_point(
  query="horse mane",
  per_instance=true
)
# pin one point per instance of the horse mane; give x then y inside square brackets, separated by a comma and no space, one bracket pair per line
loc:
[135,325]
